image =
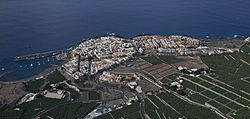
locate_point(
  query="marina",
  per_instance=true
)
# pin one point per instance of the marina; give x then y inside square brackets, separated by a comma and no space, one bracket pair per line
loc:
[39,55]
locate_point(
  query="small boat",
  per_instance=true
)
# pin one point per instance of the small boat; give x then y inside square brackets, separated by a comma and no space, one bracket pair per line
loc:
[236,36]
[2,69]
[31,65]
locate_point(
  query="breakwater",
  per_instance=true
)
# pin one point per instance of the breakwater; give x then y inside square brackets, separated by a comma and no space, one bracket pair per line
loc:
[39,55]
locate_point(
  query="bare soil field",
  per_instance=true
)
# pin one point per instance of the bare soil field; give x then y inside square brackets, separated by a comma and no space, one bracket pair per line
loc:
[228,43]
[160,70]
[191,63]
[10,93]
[140,64]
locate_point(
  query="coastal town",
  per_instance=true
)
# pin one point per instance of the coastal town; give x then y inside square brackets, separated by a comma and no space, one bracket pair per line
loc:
[145,77]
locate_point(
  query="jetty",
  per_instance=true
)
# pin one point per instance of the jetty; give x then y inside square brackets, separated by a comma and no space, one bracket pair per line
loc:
[39,55]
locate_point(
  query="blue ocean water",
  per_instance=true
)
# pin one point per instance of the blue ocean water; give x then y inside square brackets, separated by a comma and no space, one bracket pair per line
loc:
[30,26]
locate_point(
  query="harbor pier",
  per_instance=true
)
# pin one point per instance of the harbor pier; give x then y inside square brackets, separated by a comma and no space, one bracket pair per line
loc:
[39,55]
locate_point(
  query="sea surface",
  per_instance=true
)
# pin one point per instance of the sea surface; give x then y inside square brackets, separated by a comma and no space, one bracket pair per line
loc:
[30,26]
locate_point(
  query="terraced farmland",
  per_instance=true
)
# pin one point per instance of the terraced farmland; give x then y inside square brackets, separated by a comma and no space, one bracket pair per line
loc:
[167,105]
[227,91]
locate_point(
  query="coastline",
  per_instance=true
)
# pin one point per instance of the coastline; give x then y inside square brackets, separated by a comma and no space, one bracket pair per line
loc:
[44,73]
[17,88]
[53,67]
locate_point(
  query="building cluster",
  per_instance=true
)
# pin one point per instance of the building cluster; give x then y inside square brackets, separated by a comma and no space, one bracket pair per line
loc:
[56,94]
[172,43]
[127,100]
[116,78]
[134,86]
[193,71]
[204,50]
[178,87]
[109,77]
[104,53]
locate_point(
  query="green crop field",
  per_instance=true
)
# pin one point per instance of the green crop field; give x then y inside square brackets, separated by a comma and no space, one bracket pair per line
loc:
[170,78]
[234,106]
[93,95]
[159,59]
[230,73]
[225,110]
[193,87]
[186,109]
[70,110]
[199,98]
[10,113]
[232,70]
[214,103]
[217,87]
[197,80]
[206,84]
[219,90]
[222,100]
[169,59]
[152,60]
[243,101]
[56,77]
[242,114]
[33,86]
[233,90]
[29,108]
[163,109]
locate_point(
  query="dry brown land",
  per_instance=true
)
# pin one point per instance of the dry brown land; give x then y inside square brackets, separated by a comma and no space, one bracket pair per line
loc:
[228,43]
[194,62]
[141,64]
[10,93]
[160,71]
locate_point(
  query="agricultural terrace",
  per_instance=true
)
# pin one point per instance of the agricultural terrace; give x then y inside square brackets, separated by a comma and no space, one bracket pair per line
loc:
[165,65]
[94,95]
[56,77]
[70,111]
[157,66]
[159,71]
[141,64]
[228,90]
[159,59]
[169,106]
[30,109]
[33,86]
[207,91]
[232,69]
